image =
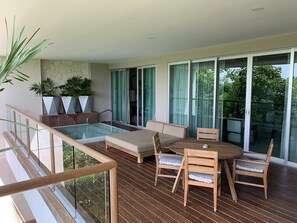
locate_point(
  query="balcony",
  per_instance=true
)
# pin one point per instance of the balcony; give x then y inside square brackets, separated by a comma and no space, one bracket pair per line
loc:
[132,191]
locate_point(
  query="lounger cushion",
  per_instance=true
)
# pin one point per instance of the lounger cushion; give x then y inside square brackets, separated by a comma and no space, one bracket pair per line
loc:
[140,141]
[174,130]
[202,177]
[155,126]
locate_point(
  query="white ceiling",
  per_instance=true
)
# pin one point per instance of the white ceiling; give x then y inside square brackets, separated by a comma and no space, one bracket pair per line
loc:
[108,31]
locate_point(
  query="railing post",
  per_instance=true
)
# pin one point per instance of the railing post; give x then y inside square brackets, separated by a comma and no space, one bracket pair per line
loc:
[52,149]
[113,194]
[14,125]
[28,144]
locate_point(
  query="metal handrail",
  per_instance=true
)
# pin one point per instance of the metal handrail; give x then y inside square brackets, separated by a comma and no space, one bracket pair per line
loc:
[99,113]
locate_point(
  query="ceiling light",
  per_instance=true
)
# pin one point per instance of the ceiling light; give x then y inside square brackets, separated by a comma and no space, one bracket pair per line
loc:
[258,9]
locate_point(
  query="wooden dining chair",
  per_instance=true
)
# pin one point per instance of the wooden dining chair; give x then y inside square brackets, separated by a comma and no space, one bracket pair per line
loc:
[165,160]
[208,134]
[202,169]
[254,165]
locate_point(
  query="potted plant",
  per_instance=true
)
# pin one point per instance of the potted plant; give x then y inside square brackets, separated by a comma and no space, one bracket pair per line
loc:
[69,93]
[85,95]
[49,93]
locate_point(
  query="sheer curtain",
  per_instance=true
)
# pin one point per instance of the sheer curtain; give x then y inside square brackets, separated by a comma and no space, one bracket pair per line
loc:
[202,88]
[119,86]
[149,94]
[178,94]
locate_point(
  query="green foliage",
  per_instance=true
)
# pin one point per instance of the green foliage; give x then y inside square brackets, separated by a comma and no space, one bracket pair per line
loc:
[45,88]
[85,87]
[267,90]
[77,86]
[17,54]
[72,86]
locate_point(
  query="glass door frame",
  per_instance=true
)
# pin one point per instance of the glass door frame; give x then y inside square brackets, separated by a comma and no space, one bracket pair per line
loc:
[216,83]
[188,83]
[246,133]
[288,102]
[249,95]
[138,92]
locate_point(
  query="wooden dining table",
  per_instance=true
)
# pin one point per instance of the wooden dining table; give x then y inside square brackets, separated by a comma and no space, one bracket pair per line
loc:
[226,151]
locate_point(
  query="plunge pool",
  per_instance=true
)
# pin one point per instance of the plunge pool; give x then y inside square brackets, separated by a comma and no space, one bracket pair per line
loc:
[88,133]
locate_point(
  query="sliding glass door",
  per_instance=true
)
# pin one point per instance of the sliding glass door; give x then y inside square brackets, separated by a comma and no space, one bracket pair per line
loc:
[119,94]
[202,85]
[232,99]
[146,102]
[179,93]
[270,77]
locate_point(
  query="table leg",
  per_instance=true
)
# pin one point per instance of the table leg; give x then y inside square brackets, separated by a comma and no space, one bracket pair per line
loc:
[230,180]
[176,182]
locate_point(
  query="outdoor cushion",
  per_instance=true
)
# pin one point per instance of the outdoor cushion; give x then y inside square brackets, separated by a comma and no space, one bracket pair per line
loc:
[202,177]
[171,160]
[174,130]
[140,141]
[155,126]
[253,167]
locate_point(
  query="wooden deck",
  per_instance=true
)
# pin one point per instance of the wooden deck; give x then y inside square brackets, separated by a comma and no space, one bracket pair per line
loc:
[140,201]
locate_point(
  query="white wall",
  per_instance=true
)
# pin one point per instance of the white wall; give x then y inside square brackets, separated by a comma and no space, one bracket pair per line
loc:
[101,85]
[19,96]
[237,48]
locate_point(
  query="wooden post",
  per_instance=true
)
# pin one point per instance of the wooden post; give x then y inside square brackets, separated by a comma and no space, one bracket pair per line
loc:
[113,195]
[52,150]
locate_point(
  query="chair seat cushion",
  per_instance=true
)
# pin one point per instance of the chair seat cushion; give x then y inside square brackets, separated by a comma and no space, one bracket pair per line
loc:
[252,167]
[171,160]
[202,177]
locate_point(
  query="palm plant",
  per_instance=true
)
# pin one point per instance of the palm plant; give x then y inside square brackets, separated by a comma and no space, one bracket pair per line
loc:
[18,53]
[45,88]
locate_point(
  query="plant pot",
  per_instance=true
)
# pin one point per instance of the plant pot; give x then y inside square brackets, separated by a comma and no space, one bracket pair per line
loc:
[69,104]
[50,105]
[86,103]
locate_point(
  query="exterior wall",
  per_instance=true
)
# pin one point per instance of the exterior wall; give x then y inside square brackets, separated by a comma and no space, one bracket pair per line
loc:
[19,96]
[232,49]
[101,85]
[60,71]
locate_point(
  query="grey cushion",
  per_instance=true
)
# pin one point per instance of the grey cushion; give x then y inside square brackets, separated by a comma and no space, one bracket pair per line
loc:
[171,160]
[202,177]
[140,141]
[252,167]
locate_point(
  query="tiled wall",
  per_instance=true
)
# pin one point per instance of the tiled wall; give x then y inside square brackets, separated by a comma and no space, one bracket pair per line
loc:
[60,71]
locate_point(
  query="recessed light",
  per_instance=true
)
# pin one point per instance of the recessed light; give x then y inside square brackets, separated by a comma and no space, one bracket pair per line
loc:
[258,9]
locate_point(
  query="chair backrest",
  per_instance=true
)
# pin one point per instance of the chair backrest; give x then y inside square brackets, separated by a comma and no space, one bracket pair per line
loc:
[157,143]
[208,134]
[201,161]
[269,152]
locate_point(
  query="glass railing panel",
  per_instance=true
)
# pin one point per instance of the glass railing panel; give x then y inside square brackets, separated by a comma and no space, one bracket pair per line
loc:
[42,150]
[86,198]
[58,151]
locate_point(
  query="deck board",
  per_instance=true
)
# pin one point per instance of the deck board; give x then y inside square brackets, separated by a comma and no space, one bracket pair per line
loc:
[141,201]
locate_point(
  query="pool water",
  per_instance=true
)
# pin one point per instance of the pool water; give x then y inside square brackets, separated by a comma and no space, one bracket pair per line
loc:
[87,133]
